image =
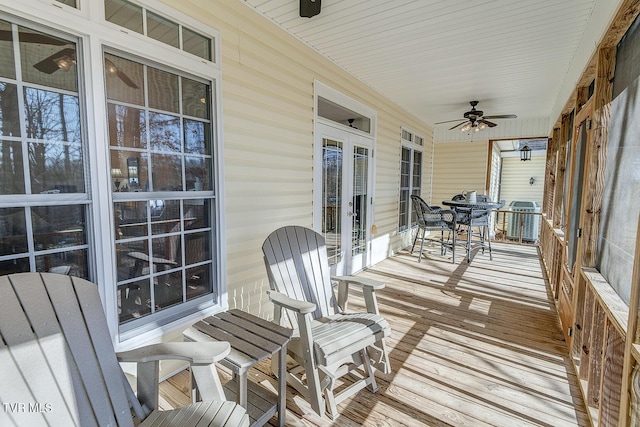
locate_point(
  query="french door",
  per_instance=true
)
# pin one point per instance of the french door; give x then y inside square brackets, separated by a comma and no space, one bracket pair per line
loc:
[343,197]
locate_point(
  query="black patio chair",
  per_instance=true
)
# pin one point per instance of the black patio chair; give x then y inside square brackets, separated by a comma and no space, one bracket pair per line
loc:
[434,218]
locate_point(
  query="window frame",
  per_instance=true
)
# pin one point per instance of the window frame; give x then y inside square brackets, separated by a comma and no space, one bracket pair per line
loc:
[93,35]
[413,143]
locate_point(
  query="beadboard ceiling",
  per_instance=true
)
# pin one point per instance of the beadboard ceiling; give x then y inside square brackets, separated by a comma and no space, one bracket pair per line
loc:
[434,56]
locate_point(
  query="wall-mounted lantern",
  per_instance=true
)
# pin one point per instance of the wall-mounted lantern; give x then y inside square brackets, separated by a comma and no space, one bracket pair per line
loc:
[531,181]
[525,153]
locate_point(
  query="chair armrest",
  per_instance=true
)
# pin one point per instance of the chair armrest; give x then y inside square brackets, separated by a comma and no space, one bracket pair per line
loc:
[201,356]
[369,287]
[195,353]
[362,281]
[280,299]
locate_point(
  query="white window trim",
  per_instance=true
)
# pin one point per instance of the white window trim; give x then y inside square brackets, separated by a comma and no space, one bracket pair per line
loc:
[412,146]
[94,34]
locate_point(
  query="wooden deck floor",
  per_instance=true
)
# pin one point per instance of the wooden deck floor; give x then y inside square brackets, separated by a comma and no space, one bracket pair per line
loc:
[472,345]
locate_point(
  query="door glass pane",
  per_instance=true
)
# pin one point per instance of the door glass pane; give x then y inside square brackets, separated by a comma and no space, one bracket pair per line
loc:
[360,197]
[332,152]
[404,205]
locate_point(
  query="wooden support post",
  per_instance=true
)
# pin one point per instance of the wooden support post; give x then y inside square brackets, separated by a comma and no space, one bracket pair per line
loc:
[561,169]
[550,174]
[633,336]
[596,157]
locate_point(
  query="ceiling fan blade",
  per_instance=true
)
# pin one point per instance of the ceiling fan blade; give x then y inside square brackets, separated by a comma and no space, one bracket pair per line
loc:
[458,125]
[49,65]
[6,35]
[488,123]
[449,121]
[126,79]
[112,69]
[503,116]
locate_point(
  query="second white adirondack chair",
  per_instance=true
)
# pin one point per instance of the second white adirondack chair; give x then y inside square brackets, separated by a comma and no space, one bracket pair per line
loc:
[328,342]
[58,366]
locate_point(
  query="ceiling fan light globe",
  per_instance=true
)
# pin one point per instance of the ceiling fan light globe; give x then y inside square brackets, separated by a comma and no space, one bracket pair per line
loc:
[65,63]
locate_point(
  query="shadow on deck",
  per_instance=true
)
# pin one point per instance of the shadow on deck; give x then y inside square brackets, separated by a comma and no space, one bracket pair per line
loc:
[474,344]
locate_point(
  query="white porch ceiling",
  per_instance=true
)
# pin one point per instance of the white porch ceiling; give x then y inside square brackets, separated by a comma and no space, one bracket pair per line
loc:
[434,56]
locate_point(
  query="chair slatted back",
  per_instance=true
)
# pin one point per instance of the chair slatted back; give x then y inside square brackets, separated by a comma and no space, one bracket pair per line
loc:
[56,354]
[297,264]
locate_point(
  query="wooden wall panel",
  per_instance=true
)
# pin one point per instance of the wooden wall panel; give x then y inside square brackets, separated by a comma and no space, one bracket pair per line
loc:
[596,156]
[612,377]
[561,170]
[596,351]
[587,322]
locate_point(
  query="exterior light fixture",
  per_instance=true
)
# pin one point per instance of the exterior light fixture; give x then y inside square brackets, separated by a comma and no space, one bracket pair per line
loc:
[531,181]
[525,153]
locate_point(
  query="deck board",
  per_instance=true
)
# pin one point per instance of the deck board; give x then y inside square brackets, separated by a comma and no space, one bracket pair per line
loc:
[472,345]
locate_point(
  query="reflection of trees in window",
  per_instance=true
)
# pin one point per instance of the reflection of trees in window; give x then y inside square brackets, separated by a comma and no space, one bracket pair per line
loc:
[127,127]
[9,120]
[11,181]
[164,131]
[53,117]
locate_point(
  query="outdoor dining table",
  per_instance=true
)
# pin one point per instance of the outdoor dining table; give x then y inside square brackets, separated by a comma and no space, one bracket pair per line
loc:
[466,210]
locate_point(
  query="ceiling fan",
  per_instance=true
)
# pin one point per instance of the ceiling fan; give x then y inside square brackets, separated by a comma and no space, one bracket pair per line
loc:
[63,59]
[476,120]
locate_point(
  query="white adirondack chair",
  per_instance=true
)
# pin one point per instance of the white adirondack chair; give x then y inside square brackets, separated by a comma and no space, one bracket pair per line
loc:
[328,342]
[58,366]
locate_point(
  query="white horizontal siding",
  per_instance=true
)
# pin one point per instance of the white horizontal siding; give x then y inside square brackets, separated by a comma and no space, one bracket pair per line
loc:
[459,166]
[514,183]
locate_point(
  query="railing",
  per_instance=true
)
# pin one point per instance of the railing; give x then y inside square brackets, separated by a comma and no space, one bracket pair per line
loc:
[518,227]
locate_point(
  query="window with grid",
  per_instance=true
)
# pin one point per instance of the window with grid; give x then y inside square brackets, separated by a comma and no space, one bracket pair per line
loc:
[136,18]
[160,135]
[44,200]
[410,177]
